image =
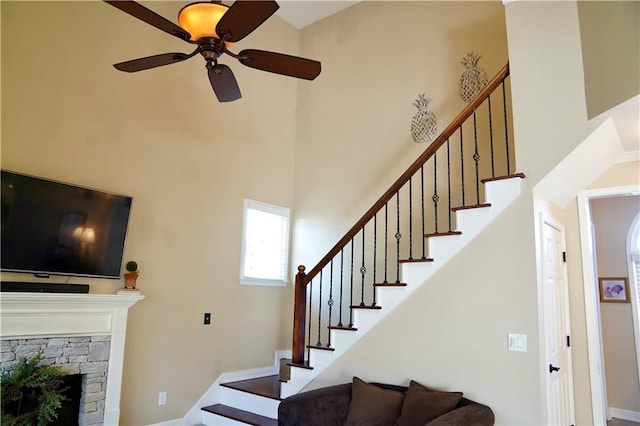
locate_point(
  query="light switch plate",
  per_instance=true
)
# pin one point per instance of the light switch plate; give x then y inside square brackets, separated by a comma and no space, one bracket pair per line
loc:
[517,342]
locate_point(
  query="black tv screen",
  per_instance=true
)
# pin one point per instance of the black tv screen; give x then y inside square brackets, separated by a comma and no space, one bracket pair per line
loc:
[54,228]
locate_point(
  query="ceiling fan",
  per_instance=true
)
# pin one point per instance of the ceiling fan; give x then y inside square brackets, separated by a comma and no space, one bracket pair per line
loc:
[213,27]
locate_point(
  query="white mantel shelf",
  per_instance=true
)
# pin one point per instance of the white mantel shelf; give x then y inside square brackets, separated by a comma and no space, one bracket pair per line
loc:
[33,315]
[52,302]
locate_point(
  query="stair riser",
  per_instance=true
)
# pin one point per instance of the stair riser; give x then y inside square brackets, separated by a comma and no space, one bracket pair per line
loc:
[446,247]
[210,419]
[249,402]
[472,221]
[502,192]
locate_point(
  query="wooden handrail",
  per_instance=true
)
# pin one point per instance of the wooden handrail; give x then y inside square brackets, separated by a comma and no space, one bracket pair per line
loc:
[413,169]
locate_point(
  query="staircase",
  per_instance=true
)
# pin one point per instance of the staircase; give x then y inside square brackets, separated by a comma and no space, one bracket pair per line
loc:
[255,401]
[330,300]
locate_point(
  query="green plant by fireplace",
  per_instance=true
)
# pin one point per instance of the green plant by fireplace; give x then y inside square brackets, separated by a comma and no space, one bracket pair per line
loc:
[31,394]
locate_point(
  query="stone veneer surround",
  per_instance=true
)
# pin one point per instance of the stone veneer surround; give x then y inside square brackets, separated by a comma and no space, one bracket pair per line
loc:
[68,322]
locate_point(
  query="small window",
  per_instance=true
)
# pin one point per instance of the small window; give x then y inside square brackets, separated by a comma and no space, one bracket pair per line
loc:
[265,244]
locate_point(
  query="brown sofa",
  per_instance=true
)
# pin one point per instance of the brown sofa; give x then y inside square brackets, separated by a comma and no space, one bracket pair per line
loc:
[377,404]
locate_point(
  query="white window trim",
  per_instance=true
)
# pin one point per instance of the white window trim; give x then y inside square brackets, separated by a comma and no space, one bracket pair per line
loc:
[269,208]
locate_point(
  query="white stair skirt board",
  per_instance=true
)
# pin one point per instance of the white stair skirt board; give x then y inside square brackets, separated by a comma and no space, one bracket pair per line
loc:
[470,222]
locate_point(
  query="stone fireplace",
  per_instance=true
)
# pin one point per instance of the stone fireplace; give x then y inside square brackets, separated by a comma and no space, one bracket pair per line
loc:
[83,333]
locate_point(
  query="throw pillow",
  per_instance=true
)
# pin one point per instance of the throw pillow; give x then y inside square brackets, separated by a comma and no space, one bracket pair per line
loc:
[421,405]
[373,406]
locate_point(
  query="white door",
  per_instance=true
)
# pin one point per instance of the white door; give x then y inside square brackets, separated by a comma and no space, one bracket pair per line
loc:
[559,380]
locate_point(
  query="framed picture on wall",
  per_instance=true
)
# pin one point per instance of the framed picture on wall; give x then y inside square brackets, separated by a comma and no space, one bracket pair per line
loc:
[614,289]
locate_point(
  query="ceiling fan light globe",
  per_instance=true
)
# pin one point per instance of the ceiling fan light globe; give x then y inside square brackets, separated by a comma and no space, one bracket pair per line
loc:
[200,19]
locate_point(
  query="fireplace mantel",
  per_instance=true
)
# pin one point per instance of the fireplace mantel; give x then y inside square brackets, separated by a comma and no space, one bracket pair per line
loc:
[29,315]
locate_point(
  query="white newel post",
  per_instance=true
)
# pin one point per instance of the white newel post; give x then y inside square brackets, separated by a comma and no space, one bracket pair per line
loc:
[49,315]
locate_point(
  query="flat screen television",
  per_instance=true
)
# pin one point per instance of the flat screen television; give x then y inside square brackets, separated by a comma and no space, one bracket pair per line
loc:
[55,228]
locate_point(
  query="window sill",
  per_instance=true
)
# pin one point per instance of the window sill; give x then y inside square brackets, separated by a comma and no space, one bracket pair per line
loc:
[262,282]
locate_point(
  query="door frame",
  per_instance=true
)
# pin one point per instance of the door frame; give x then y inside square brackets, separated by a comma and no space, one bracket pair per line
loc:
[592,305]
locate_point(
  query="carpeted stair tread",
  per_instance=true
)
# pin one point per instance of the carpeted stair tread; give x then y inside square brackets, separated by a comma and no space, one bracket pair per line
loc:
[240,415]
[268,386]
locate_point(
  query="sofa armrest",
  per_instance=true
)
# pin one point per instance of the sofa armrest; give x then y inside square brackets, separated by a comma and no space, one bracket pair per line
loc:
[469,415]
[319,407]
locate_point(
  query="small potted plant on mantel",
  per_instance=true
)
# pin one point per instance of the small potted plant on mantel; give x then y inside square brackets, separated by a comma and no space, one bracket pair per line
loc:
[132,274]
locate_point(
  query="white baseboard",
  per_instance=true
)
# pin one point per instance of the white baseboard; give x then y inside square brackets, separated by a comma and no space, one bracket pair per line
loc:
[619,413]
[174,422]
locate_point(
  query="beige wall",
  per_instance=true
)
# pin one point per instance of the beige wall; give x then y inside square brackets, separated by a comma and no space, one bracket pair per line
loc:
[612,219]
[187,160]
[610,51]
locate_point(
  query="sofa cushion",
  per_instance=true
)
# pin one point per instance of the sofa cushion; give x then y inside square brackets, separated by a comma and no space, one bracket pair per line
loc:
[373,406]
[421,405]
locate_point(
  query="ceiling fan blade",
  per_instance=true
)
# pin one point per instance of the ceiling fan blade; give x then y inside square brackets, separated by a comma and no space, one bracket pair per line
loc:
[223,83]
[243,17]
[150,17]
[279,63]
[151,62]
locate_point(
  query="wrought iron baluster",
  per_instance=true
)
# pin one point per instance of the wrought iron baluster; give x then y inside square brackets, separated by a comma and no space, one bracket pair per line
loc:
[462,166]
[386,240]
[363,270]
[506,128]
[375,255]
[330,303]
[410,219]
[449,185]
[341,284]
[309,326]
[320,308]
[424,253]
[435,197]
[493,172]
[398,236]
[351,298]
[476,157]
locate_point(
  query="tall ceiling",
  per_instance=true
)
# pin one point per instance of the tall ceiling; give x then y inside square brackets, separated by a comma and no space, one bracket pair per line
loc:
[301,13]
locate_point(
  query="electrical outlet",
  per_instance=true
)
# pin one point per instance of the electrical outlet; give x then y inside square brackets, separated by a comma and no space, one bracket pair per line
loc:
[207,318]
[162,398]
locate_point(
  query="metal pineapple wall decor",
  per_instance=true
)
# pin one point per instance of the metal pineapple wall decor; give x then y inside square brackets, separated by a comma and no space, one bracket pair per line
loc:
[423,124]
[474,79]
